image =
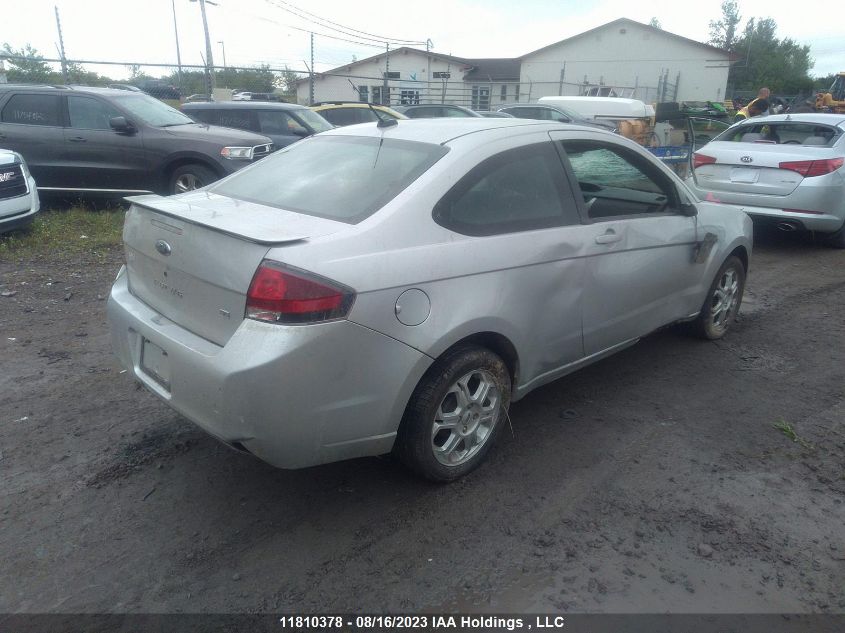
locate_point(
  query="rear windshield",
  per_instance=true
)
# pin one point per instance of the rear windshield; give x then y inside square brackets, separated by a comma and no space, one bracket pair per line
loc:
[783,133]
[345,178]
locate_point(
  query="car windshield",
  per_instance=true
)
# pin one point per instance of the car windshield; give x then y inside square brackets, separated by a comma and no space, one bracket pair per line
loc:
[312,120]
[151,111]
[344,178]
[782,133]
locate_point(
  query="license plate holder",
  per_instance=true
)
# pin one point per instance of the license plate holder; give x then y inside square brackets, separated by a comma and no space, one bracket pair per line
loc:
[747,175]
[155,363]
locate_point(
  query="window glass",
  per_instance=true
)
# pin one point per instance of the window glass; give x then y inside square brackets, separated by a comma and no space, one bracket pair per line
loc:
[238,119]
[280,122]
[517,190]
[311,119]
[32,110]
[151,111]
[453,112]
[204,116]
[339,116]
[789,133]
[89,114]
[616,182]
[345,178]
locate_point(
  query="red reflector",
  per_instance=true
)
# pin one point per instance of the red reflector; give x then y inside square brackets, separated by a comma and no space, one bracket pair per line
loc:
[279,295]
[809,168]
[701,159]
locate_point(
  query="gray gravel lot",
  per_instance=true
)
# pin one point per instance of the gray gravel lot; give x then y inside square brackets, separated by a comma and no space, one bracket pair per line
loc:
[652,481]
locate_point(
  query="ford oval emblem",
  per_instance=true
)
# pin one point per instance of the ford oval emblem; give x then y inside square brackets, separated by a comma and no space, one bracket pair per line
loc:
[746,159]
[163,247]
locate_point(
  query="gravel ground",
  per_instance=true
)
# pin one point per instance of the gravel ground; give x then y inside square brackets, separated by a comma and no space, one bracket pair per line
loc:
[653,481]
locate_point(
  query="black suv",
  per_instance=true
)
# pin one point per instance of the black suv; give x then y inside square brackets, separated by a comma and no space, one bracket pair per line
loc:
[102,141]
[284,123]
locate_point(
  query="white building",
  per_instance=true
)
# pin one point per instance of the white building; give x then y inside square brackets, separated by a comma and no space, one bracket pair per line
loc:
[637,60]
[622,58]
[405,75]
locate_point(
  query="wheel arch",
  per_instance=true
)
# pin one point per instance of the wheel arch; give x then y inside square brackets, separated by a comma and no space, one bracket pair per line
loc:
[497,343]
[178,161]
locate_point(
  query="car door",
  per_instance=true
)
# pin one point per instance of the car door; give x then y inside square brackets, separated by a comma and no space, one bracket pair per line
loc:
[640,271]
[98,157]
[31,124]
[518,203]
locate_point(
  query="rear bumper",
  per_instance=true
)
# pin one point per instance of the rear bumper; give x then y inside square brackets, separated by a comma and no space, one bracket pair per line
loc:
[824,198]
[20,211]
[823,223]
[294,396]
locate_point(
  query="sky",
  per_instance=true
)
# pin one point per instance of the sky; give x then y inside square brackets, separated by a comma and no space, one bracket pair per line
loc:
[263,31]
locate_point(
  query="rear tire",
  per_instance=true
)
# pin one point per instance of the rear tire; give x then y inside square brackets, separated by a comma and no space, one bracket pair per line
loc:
[190,177]
[455,414]
[723,301]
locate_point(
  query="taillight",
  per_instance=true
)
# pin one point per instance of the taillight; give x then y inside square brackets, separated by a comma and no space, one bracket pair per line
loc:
[701,159]
[280,295]
[809,168]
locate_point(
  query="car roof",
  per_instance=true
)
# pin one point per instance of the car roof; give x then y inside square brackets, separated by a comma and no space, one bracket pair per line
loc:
[333,105]
[242,105]
[71,88]
[820,118]
[442,130]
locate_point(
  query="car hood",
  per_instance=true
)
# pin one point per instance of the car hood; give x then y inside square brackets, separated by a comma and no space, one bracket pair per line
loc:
[216,134]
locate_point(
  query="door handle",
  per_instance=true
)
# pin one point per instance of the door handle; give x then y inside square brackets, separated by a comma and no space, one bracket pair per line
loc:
[77,139]
[609,237]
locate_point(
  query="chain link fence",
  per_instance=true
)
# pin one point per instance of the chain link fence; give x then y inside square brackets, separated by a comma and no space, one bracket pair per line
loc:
[181,83]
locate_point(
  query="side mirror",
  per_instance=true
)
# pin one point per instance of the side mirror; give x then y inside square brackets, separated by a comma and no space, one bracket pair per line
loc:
[689,210]
[120,124]
[301,133]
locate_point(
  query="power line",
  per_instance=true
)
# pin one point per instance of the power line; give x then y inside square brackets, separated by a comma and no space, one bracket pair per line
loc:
[334,26]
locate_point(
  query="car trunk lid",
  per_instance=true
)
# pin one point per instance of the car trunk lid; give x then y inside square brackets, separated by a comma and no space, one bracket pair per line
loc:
[192,258]
[752,167]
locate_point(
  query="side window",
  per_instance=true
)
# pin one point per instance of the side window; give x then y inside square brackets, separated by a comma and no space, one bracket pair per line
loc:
[239,119]
[518,190]
[205,115]
[86,113]
[366,116]
[339,116]
[32,110]
[278,122]
[616,182]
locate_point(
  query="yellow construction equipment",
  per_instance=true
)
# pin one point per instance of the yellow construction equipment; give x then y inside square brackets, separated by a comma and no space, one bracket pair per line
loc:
[834,99]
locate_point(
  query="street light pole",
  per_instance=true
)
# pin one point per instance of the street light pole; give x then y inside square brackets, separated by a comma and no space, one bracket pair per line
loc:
[223,44]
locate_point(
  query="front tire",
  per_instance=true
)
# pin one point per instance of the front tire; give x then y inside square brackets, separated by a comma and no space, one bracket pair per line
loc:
[723,300]
[455,413]
[190,177]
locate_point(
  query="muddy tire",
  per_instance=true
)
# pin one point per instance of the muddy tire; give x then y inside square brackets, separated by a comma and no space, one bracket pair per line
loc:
[455,414]
[837,239]
[190,177]
[722,302]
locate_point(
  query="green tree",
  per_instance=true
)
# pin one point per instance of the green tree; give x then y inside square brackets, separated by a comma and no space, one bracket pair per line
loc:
[655,23]
[782,65]
[27,65]
[723,32]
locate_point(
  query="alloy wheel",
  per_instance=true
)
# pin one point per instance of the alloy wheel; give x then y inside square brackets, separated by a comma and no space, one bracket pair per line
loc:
[465,418]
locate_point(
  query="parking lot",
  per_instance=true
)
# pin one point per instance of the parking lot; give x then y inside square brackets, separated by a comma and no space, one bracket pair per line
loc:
[679,475]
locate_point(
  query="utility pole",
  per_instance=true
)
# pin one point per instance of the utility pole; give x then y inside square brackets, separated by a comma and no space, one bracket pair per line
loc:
[428,45]
[209,59]
[560,85]
[223,44]
[62,46]
[176,33]
[311,74]
[385,90]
